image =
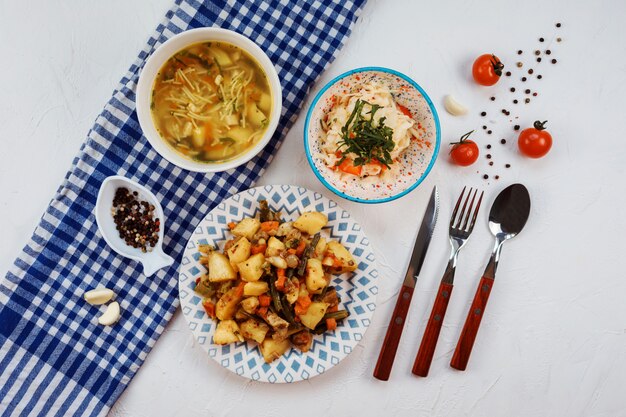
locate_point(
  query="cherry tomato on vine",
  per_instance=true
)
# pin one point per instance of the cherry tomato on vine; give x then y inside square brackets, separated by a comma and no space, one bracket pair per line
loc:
[535,141]
[465,151]
[487,69]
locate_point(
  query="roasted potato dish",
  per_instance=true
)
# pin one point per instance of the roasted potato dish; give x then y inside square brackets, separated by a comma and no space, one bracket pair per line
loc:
[270,284]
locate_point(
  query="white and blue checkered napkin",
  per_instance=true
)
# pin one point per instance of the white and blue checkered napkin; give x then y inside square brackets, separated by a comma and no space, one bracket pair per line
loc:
[54,358]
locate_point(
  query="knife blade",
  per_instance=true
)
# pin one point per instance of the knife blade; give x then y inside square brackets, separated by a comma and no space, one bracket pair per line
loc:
[396,324]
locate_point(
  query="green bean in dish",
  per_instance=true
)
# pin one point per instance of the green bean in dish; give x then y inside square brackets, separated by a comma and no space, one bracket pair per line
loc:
[271,282]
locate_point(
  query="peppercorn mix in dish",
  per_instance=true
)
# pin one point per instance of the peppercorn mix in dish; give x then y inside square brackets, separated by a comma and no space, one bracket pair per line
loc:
[270,284]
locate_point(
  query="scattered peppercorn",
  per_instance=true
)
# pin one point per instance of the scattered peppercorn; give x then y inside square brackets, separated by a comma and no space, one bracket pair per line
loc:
[512,89]
[558,25]
[527,101]
[507,166]
[535,94]
[484,113]
[548,52]
[486,176]
[541,39]
[537,52]
[516,127]
[503,141]
[508,73]
[493,99]
[524,79]
[490,163]
[554,61]
[519,52]
[515,101]
[135,220]
[539,59]
[488,156]
[530,71]
[497,177]
[489,132]
[558,39]
[539,77]
[527,91]
[484,127]
[520,65]
[488,146]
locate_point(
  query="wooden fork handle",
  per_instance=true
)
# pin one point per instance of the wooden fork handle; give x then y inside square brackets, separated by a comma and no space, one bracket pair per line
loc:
[394,331]
[433,328]
[472,322]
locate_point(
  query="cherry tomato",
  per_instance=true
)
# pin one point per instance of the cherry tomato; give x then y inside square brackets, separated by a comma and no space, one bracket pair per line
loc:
[487,69]
[535,141]
[465,151]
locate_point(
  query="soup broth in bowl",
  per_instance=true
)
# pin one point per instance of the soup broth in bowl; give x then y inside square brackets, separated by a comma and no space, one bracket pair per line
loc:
[211,101]
[208,99]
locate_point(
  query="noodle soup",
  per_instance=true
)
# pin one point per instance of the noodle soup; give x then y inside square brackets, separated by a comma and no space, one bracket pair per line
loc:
[211,102]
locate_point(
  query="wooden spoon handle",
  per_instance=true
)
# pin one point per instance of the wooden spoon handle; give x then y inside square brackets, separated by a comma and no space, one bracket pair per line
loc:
[394,331]
[433,328]
[472,322]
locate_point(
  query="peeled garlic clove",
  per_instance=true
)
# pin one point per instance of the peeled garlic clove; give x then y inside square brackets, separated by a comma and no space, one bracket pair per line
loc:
[98,296]
[454,107]
[111,315]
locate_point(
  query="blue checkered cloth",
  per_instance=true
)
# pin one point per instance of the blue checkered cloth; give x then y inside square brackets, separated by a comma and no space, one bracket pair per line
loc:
[54,358]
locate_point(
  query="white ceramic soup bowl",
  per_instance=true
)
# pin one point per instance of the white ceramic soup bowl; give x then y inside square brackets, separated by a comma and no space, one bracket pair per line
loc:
[166,51]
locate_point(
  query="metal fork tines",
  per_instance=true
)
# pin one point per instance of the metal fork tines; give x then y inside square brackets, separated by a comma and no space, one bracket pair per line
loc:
[461,227]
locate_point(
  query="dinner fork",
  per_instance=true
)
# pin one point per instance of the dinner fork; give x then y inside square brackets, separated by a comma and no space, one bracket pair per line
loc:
[460,229]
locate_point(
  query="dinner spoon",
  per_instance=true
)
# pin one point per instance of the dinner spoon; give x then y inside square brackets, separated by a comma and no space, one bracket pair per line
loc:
[507,218]
[151,261]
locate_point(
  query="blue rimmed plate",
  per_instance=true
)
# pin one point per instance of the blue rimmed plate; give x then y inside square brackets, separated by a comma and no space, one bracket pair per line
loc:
[357,290]
[415,162]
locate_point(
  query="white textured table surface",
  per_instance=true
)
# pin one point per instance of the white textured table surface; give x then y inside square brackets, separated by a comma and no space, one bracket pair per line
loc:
[553,339]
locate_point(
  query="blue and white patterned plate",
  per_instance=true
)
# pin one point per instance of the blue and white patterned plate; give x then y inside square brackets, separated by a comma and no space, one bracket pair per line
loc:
[357,290]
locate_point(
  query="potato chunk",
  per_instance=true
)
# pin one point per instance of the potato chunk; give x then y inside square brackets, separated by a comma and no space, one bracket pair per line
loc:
[250,304]
[252,269]
[311,222]
[320,249]
[219,268]
[239,252]
[315,280]
[345,261]
[254,330]
[274,349]
[274,247]
[255,288]
[314,314]
[247,228]
[227,332]
[228,304]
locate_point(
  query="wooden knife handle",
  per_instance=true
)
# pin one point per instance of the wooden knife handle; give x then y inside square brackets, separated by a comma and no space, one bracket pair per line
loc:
[472,322]
[394,331]
[433,328]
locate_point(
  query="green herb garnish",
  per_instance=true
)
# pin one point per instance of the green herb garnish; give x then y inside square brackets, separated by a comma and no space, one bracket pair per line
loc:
[364,139]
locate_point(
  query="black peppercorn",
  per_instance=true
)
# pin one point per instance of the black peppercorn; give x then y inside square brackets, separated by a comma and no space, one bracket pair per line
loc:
[515,101]
[484,127]
[548,52]
[554,61]
[519,52]
[488,146]
[539,77]
[539,59]
[527,101]
[488,156]
[512,89]
[489,132]
[484,113]
[516,127]
[497,177]
[508,73]
[490,163]
[503,141]
[523,79]
[537,52]
[530,71]
[527,91]
[493,99]
[558,25]
[486,176]
[541,39]
[507,166]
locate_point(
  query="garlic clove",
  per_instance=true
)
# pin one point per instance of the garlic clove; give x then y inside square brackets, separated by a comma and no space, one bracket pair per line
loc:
[454,107]
[111,315]
[99,296]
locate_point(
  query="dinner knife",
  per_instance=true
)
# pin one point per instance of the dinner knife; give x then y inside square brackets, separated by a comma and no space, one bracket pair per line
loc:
[396,324]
